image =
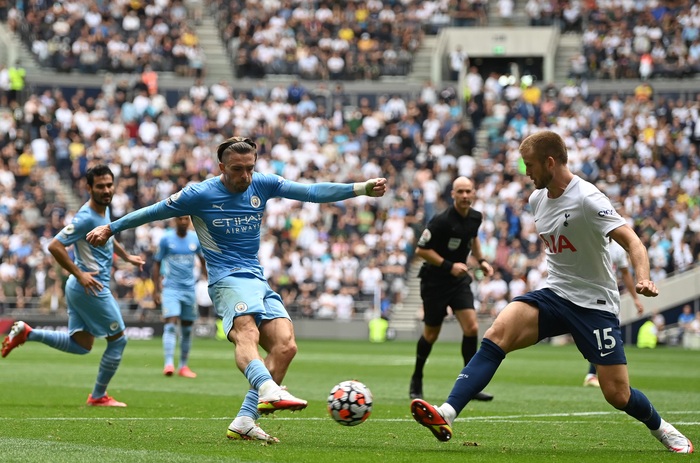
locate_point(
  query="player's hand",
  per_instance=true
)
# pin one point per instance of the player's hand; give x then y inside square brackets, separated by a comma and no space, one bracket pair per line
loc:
[647,288]
[88,281]
[640,307]
[459,269]
[375,187]
[156,297]
[486,268]
[99,236]
[136,260]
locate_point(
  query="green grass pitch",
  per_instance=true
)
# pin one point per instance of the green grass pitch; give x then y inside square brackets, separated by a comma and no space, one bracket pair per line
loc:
[541,412]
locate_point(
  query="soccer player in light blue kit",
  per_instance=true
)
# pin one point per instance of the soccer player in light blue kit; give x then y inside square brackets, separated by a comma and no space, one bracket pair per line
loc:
[92,309]
[227,213]
[174,262]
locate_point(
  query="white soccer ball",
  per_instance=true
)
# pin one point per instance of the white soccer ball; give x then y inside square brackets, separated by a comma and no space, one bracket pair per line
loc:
[350,403]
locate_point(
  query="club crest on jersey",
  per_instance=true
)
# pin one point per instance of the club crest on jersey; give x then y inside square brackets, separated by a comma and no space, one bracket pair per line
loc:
[424,237]
[255,201]
[193,247]
[453,243]
[240,307]
[557,245]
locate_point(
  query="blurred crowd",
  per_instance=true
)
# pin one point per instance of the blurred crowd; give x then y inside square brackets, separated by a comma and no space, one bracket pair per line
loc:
[119,37]
[347,40]
[337,260]
[636,39]
[641,150]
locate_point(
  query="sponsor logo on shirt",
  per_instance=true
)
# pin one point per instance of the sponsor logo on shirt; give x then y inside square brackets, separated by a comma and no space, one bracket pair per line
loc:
[556,245]
[605,212]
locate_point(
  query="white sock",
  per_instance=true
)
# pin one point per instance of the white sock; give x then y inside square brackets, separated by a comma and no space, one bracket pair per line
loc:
[267,388]
[659,431]
[448,412]
[242,422]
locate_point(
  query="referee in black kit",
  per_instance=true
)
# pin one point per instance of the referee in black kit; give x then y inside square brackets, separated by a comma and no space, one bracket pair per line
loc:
[445,245]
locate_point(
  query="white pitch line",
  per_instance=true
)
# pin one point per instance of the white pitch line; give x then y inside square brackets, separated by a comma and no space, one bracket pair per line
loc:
[497,418]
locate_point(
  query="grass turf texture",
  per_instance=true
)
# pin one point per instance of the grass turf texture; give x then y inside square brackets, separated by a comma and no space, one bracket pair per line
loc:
[541,412]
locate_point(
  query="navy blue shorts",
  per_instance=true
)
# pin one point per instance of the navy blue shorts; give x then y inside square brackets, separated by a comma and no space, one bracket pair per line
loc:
[596,333]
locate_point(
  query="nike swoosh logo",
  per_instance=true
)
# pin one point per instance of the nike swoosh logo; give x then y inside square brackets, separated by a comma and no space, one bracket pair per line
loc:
[536,220]
[605,354]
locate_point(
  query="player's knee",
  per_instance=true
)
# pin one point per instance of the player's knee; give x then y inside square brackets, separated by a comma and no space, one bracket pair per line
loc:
[617,397]
[470,329]
[84,340]
[288,350]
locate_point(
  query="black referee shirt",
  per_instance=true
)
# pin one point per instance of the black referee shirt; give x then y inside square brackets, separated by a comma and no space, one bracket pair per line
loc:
[450,235]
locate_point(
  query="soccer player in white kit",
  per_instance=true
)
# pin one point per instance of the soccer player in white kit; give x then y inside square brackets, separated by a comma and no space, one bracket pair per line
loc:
[575,221]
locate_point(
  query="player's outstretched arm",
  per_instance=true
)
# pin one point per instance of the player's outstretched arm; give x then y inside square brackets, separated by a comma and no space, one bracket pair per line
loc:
[375,188]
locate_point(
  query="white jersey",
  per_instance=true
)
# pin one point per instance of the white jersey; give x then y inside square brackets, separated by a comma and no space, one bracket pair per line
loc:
[618,255]
[574,228]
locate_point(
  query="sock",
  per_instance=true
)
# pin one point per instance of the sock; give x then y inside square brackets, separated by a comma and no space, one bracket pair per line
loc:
[220,335]
[250,405]
[469,344]
[422,352]
[185,344]
[111,359]
[591,369]
[169,342]
[641,409]
[57,340]
[257,374]
[476,375]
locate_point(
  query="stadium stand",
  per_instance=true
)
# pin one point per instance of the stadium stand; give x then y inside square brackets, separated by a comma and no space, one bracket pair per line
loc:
[641,148]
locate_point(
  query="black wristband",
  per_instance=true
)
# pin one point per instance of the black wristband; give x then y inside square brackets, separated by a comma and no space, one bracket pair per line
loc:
[447,265]
[481,261]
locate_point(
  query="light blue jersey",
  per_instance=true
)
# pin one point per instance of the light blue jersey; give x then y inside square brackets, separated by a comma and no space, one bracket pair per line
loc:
[176,255]
[227,223]
[97,314]
[89,258]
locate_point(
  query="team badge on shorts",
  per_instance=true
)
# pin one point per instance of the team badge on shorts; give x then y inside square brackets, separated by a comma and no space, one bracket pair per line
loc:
[113,326]
[240,307]
[255,201]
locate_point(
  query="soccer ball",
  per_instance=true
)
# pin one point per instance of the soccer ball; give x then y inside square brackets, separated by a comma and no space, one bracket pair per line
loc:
[350,403]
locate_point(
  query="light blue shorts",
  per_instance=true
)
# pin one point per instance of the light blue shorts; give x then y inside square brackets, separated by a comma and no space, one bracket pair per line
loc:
[236,296]
[98,315]
[178,303]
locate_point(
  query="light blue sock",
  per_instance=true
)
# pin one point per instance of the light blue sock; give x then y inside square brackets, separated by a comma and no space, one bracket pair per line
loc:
[476,375]
[257,374]
[111,359]
[640,407]
[57,340]
[185,344]
[169,342]
[250,405]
